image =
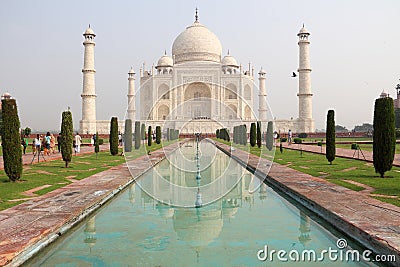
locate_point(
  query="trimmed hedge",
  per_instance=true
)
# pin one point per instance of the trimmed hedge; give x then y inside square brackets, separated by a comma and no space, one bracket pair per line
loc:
[158,134]
[128,135]
[138,135]
[330,136]
[11,140]
[384,138]
[114,136]
[66,137]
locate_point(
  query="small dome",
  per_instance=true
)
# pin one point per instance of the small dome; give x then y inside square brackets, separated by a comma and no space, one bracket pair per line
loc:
[89,31]
[228,60]
[197,43]
[131,71]
[384,94]
[165,61]
[303,30]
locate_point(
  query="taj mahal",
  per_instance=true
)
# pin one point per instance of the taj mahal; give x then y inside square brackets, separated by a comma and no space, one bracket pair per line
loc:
[197,89]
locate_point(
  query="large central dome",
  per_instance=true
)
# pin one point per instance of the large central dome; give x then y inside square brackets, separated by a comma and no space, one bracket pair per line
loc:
[196,43]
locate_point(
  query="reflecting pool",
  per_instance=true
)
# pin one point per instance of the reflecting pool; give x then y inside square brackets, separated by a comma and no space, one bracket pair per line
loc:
[140,227]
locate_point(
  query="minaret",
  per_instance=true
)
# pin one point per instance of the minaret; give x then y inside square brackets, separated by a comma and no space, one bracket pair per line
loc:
[262,98]
[305,121]
[88,122]
[131,95]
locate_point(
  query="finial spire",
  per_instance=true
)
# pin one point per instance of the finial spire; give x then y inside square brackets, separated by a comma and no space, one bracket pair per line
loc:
[165,52]
[196,16]
[303,24]
[89,25]
[228,52]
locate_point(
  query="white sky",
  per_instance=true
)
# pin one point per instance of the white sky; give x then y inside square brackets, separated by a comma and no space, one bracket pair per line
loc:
[355,51]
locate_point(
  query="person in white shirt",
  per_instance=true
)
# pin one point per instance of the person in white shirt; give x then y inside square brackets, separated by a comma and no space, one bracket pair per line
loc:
[78,142]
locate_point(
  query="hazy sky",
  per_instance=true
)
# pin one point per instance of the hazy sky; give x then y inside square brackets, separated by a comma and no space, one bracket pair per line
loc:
[355,51]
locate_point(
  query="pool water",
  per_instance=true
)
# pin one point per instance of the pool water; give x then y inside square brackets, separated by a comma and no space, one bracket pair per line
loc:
[149,227]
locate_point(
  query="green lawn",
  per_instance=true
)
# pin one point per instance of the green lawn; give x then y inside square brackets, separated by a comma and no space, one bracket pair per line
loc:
[342,169]
[54,174]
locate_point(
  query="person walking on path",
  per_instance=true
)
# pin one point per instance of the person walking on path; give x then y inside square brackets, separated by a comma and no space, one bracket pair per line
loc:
[38,143]
[78,142]
[52,144]
[59,142]
[24,143]
[47,139]
[290,137]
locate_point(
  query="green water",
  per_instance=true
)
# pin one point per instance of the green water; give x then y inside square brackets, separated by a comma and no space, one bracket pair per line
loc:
[137,230]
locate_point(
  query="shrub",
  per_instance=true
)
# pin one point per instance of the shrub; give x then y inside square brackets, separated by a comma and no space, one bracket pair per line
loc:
[269,142]
[128,135]
[297,140]
[384,137]
[253,134]
[158,134]
[143,132]
[258,134]
[11,140]
[149,136]
[354,146]
[114,136]
[330,136]
[319,143]
[96,144]
[27,131]
[283,139]
[66,137]
[302,135]
[101,141]
[138,135]
[217,133]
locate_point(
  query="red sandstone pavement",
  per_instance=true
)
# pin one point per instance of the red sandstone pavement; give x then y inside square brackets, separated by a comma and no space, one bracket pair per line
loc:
[25,226]
[373,223]
[340,152]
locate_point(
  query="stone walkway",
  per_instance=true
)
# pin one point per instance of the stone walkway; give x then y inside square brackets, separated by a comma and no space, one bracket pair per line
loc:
[340,152]
[32,224]
[373,223]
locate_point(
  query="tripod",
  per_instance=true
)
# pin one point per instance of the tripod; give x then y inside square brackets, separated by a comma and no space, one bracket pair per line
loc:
[358,150]
[38,153]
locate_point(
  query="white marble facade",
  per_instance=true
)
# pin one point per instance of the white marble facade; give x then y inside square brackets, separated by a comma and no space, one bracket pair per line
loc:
[197,89]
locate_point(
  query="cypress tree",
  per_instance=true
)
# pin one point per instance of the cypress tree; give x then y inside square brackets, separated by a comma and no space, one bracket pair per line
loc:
[96,144]
[330,136]
[66,137]
[114,136]
[143,132]
[149,136]
[253,134]
[11,140]
[269,139]
[258,134]
[128,135]
[217,133]
[384,138]
[137,134]
[158,134]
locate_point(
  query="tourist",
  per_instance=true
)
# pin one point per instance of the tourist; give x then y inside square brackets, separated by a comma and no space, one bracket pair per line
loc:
[52,144]
[46,146]
[78,142]
[24,143]
[37,143]
[290,137]
[59,142]
[119,139]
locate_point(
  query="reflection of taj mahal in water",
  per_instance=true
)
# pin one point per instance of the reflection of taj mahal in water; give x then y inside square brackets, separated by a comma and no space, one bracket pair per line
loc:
[197,89]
